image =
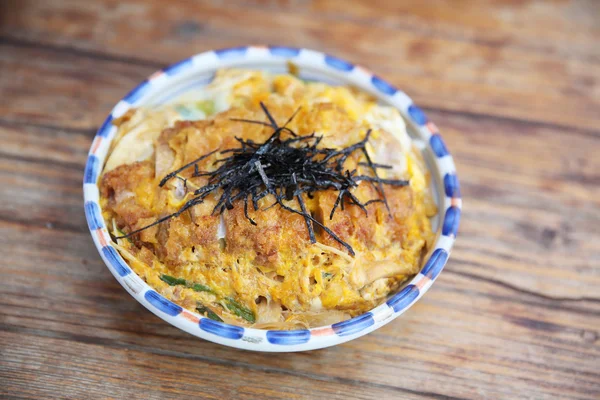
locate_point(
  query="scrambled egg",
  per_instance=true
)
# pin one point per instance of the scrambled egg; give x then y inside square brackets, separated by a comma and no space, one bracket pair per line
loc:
[269,275]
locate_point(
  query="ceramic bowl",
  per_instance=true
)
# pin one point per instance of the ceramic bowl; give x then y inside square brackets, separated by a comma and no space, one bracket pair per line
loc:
[197,71]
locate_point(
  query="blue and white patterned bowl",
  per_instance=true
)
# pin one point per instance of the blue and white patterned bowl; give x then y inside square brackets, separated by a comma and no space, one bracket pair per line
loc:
[197,71]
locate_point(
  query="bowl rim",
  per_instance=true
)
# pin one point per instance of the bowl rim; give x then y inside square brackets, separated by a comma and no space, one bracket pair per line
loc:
[449,207]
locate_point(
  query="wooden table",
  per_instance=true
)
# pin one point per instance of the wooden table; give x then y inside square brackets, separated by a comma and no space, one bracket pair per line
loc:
[514,87]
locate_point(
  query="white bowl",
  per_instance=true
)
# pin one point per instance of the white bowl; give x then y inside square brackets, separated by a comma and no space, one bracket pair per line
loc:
[197,71]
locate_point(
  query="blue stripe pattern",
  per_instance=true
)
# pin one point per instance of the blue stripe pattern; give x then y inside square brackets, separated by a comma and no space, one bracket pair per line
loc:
[181,66]
[338,64]
[105,128]
[137,92]
[91,170]
[353,325]
[221,329]
[438,145]
[92,211]
[383,86]
[288,337]
[164,305]
[284,51]
[417,115]
[451,186]
[115,261]
[451,220]
[403,299]
[232,52]
[435,263]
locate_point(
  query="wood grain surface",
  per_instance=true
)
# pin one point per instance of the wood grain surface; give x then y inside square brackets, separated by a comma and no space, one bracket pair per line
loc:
[514,87]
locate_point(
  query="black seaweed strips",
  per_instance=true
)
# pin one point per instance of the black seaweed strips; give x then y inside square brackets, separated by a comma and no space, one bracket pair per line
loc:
[286,166]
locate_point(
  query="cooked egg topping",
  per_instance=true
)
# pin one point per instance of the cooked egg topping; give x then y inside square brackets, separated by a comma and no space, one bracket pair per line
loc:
[268,275]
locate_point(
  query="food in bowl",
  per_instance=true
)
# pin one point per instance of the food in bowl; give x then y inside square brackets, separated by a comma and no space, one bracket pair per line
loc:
[267,201]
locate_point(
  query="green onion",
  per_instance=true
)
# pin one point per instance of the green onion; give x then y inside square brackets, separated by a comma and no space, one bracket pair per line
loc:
[239,310]
[203,310]
[326,275]
[200,288]
[172,281]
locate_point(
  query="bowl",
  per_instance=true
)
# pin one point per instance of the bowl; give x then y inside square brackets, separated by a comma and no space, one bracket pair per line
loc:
[197,71]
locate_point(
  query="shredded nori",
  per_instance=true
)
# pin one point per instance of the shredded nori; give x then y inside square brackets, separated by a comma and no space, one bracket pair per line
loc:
[286,166]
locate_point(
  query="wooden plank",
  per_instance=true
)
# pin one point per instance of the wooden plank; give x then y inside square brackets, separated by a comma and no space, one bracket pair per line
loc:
[525,81]
[530,206]
[63,90]
[42,365]
[43,169]
[559,28]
